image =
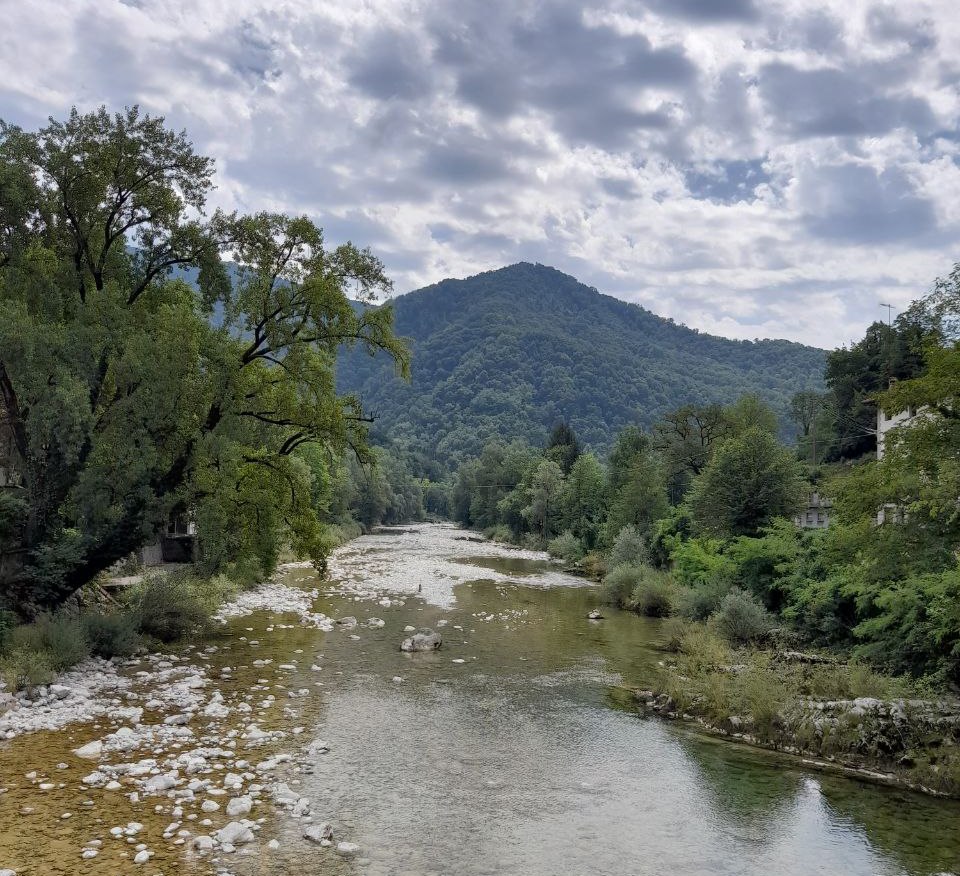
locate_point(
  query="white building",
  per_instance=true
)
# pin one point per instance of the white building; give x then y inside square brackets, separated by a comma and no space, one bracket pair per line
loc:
[886,422]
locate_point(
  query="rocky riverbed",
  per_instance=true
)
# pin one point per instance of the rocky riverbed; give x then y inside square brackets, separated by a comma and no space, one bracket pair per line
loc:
[301,739]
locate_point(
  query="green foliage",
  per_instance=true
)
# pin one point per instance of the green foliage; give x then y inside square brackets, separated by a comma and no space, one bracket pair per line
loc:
[21,669]
[642,498]
[699,561]
[585,498]
[700,602]
[171,607]
[628,549]
[131,393]
[508,353]
[543,513]
[113,634]
[742,619]
[566,546]
[654,593]
[59,636]
[619,584]
[750,481]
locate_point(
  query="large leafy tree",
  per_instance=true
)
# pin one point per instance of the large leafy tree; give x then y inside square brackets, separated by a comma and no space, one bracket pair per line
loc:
[123,400]
[750,481]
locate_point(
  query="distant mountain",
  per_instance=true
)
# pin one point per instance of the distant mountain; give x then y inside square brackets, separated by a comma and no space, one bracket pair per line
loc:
[513,351]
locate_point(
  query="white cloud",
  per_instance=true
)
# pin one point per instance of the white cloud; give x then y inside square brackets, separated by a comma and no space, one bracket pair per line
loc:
[772,171]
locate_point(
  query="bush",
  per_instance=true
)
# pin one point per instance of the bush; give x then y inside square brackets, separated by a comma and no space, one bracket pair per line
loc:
[111,635]
[499,533]
[654,594]
[60,637]
[741,618]
[619,585]
[628,549]
[701,650]
[566,547]
[699,602]
[22,669]
[170,607]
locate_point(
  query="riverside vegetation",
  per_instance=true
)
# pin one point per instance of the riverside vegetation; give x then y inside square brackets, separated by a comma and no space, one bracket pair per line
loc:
[693,521]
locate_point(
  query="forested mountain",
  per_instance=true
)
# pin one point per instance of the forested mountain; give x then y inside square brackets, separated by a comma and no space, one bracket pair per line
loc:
[513,351]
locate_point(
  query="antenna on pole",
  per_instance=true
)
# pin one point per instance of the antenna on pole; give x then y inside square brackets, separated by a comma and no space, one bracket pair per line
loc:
[889,313]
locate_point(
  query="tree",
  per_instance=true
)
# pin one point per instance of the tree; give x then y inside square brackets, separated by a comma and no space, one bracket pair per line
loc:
[750,411]
[563,447]
[124,402]
[856,377]
[628,444]
[543,510]
[584,499]
[641,500]
[750,481]
[810,411]
[686,439]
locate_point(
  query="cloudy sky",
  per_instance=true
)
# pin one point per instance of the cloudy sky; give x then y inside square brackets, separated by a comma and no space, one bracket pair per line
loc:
[754,168]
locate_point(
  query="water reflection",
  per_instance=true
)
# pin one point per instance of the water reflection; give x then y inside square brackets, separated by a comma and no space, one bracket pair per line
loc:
[518,760]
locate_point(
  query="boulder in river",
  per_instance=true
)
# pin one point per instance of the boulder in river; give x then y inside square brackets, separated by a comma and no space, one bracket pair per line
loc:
[424,639]
[596,614]
[318,832]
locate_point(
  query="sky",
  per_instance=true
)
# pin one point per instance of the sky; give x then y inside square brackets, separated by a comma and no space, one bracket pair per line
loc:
[752,168]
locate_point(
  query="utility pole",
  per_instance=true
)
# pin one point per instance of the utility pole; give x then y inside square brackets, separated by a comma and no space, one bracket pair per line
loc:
[889,313]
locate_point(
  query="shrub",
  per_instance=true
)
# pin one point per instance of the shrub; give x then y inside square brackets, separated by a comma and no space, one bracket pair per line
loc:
[594,565]
[170,607]
[699,602]
[60,637]
[701,650]
[499,533]
[111,635]
[628,549]
[741,618]
[763,694]
[566,547]
[619,585]
[654,594]
[23,668]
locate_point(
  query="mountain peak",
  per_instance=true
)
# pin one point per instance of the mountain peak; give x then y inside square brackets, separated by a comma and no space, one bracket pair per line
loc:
[510,352]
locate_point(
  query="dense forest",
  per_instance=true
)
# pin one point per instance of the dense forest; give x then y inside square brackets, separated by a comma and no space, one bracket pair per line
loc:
[510,352]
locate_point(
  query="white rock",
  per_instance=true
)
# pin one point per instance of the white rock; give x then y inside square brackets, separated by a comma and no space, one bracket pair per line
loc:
[239,806]
[142,857]
[317,832]
[235,834]
[348,850]
[159,784]
[89,853]
[90,751]
[273,845]
[202,843]
[211,806]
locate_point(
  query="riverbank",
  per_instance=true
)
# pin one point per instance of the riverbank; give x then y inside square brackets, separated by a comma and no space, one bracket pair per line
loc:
[833,714]
[475,759]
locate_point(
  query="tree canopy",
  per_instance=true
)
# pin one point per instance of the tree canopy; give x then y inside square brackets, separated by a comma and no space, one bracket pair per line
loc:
[123,400]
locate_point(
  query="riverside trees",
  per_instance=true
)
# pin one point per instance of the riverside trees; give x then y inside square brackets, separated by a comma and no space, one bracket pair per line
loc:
[130,392]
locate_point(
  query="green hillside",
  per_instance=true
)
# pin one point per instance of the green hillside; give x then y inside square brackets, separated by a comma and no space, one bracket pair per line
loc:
[511,352]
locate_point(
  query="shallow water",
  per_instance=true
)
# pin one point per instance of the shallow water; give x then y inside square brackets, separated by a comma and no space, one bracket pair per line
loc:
[522,759]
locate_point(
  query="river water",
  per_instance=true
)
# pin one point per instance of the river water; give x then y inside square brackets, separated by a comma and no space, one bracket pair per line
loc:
[511,750]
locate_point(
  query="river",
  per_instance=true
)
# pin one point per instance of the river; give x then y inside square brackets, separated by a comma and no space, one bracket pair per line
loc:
[508,751]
